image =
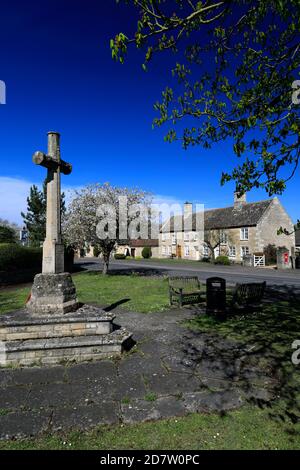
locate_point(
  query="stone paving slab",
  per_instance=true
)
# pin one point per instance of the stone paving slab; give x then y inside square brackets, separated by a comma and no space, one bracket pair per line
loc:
[172,371]
[142,410]
[84,417]
[23,424]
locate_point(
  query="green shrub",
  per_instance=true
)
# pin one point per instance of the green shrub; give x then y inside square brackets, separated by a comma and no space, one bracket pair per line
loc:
[206,259]
[146,252]
[15,257]
[224,260]
[120,256]
[7,234]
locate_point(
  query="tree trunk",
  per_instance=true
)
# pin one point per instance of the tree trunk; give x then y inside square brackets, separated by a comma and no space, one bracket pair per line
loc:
[105,264]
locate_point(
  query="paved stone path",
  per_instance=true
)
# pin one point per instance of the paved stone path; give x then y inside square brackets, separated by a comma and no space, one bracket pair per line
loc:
[172,371]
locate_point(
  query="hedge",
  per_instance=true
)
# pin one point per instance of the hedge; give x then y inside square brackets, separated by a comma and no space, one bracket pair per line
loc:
[120,256]
[14,257]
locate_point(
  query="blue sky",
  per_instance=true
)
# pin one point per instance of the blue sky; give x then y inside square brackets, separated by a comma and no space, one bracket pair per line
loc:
[57,66]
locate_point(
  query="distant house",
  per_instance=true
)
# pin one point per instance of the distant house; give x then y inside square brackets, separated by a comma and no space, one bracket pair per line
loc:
[236,231]
[297,239]
[134,248]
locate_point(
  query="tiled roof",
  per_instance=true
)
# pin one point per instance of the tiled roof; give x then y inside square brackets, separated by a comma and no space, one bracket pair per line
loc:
[245,215]
[141,243]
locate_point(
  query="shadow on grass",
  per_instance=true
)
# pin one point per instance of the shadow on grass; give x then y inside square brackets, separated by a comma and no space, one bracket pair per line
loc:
[111,307]
[260,341]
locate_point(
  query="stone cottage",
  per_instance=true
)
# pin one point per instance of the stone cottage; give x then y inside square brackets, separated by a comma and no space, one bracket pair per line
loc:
[297,236]
[236,231]
[134,248]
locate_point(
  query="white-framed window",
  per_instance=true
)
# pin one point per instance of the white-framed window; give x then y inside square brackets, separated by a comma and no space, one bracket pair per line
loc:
[186,237]
[174,239]
[186,250]
[163,236]
[169,250]
[244,251]
[217,251]
[244,233]
[164,250]
[232,251]
[223,238]
[205,251]
[195,236]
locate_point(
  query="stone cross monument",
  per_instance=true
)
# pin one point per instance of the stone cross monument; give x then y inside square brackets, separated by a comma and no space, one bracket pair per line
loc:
[53,249]
[53,291]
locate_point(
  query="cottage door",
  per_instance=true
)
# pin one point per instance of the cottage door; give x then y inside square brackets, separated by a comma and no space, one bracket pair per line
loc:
[178,251]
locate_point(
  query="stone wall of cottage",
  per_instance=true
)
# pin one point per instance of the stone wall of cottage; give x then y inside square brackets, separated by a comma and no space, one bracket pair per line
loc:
[274,218]
[196,246]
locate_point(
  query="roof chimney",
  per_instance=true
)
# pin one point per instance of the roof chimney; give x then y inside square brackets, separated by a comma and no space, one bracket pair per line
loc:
[187,216]
[239,201]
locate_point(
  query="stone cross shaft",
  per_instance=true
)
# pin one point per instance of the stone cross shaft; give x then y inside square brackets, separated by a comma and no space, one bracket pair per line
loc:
[53,248]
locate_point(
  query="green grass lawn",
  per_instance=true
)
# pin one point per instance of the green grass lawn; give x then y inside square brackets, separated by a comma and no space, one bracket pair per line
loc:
[247,428]
[139,294]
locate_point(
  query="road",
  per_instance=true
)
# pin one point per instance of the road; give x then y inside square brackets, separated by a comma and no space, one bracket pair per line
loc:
[232,274]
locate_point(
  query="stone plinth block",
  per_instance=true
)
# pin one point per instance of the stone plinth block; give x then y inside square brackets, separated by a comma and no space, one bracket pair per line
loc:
[83,335]
[52,294]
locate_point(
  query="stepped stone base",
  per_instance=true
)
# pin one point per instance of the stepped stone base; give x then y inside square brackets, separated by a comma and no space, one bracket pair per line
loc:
[88,333]
[52,294]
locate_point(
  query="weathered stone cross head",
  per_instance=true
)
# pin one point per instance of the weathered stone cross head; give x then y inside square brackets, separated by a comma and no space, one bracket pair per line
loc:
[52,160]
[53,248]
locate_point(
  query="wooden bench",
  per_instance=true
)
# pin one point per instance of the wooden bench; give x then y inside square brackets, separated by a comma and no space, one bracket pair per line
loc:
[248,297]
[184,290]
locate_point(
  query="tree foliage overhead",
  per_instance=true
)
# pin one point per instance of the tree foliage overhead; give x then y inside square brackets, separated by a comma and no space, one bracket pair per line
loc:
[236,63]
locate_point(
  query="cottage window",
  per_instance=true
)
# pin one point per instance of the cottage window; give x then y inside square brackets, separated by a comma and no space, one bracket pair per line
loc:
[163,237]
[245,251]
[169,250]
[232,251]
[164,250]
[186,250]
[186,237]
[173,238]
[244,233]
[223,238]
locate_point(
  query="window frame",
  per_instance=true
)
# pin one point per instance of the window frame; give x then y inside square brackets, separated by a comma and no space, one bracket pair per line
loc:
[243,236]
[232,248]
[243,248]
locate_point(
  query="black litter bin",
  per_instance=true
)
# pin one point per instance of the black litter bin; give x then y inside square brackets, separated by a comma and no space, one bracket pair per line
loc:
[297,262]
[216,296]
